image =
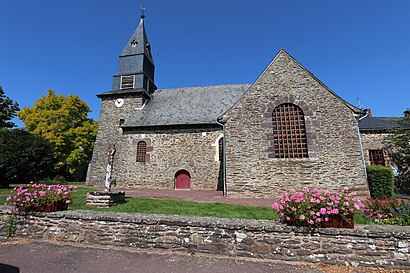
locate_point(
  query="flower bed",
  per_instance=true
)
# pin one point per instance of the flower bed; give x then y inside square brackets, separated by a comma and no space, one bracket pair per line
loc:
[317,208]
[40,197]
[392,211]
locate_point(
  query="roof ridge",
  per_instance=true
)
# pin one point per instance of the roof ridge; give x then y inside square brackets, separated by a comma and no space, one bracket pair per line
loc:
[201,86]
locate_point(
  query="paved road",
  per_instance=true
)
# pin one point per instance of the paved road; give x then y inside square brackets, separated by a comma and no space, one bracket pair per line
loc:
[28,256]
[24,256]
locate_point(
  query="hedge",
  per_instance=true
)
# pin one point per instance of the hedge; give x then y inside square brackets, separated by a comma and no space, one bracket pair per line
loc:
[381,181]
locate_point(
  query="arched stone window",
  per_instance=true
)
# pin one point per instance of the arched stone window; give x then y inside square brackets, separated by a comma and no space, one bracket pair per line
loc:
[141,151]
[289,132]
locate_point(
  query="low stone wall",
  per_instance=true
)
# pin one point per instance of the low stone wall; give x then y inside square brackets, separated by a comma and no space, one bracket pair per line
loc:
[374,245]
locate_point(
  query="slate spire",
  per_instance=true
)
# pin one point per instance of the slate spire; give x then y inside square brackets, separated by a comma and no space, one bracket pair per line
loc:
[136,63]
[138,43]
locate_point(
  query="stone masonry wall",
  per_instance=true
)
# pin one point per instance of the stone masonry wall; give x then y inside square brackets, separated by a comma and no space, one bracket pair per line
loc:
[374,141]
[168,151]
[109,132]
[375,245]
[335,158]
[172,150]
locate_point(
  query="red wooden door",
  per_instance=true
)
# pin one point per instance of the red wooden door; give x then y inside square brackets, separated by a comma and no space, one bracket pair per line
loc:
[182,180]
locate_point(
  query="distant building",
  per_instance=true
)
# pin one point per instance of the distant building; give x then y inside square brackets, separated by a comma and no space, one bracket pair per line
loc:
[287,129]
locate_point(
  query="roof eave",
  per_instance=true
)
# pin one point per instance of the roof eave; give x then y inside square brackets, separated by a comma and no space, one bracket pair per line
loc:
[122,92]
[125,126]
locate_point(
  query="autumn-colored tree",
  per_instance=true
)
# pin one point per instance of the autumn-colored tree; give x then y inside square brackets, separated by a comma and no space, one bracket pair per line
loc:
[8,110]
[64,122]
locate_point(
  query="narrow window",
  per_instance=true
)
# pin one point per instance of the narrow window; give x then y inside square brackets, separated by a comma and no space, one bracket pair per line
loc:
[141,151]
[122,121]
[127,82]
[289,132]
[221,149]
[376,157]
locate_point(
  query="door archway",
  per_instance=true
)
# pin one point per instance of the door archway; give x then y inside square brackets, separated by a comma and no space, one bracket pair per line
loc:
[182,180]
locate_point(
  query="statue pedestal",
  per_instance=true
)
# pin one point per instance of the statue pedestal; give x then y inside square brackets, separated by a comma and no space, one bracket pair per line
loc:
[105,199]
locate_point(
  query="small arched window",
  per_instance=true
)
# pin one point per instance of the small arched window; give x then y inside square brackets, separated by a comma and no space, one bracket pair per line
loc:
[289,132]
[141,151]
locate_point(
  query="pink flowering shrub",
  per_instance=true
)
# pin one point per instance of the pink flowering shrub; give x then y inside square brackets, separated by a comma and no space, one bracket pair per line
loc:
[313,207]
[38,195]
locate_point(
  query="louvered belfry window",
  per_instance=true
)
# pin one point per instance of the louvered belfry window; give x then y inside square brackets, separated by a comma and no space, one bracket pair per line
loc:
[141,151]
[127,82]
[289,132]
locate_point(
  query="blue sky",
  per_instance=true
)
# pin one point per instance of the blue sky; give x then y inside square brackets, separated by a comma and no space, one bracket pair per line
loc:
[360,49]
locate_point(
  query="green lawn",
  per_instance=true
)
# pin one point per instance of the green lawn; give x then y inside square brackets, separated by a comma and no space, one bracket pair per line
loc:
[177,207]
[156,206]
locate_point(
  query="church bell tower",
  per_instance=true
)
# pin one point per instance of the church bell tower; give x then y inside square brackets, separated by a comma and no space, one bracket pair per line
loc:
[131,90]
[136,67]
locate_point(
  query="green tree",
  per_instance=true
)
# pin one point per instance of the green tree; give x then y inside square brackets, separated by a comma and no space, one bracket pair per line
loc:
[8,110]
[63,121]
[398,144]
[24,157]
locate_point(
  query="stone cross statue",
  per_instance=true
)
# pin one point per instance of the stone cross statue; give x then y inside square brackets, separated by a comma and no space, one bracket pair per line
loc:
[110,159]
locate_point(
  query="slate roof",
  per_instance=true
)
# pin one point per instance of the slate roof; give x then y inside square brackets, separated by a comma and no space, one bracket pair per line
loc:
[142,44]
[378,123]
[190,105]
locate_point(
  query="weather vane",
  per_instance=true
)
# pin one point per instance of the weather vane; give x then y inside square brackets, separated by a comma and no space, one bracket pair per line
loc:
[358,104]
[142,12]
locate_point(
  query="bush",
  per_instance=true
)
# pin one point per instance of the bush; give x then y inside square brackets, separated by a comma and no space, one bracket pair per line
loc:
[310,208]
[381,181]
[38,196]
[57,180]
[390,211]
[24,157]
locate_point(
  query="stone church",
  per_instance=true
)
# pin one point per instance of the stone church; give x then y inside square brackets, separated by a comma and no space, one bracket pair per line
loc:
[287,129]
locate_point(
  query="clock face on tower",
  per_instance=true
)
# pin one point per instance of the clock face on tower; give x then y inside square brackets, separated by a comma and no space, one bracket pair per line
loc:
[119,102]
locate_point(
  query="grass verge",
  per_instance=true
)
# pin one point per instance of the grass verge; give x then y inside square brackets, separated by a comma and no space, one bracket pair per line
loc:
[178,207]
[173,207]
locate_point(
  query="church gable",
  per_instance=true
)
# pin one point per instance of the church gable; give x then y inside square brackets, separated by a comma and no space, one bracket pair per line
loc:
[289,129]
[288,75]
